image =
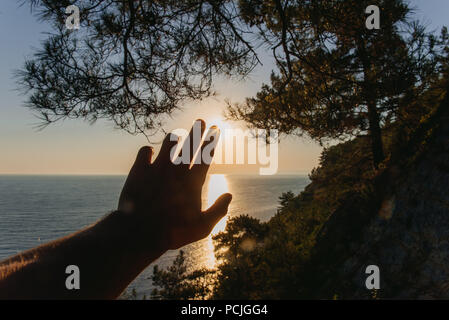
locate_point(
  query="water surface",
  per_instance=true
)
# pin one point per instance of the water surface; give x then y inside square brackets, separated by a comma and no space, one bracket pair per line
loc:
[37,209]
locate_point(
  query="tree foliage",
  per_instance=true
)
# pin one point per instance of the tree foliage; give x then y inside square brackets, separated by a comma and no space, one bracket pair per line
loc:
[336,78]
[132,62]
[177,283]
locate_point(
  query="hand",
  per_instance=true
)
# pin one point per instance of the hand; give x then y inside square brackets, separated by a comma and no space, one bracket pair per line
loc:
[165,198]
[159,209]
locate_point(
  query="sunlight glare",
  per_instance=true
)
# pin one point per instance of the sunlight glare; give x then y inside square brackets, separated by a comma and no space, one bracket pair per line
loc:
[216,187]
[220,123]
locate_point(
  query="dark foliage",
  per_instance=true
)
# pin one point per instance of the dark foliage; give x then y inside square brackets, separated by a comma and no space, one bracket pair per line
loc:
[337,79]
[132,62]
[177,283]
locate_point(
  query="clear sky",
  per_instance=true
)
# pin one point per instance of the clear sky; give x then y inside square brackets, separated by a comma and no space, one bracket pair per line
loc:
[74,147]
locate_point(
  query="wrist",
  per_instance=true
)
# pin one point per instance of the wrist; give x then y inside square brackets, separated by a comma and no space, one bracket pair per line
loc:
[132,234]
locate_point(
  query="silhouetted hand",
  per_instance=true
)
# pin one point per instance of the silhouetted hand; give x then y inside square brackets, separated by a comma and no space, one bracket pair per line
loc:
[165,198]
[159,209]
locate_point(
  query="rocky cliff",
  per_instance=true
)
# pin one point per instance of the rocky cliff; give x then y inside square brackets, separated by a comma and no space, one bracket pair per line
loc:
[403,229]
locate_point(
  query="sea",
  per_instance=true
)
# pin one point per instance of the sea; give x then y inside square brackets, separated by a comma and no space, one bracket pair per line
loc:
[36,209]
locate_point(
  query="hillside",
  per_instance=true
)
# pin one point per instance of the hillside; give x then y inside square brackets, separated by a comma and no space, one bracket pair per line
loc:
[405,233]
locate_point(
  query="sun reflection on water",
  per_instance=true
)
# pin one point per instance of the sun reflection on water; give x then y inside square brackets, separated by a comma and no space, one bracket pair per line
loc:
[216,186]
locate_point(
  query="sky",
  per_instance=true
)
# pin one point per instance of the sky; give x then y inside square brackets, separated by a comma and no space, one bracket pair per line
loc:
[75,147]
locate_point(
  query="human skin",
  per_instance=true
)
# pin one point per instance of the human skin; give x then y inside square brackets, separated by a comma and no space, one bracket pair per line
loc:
[159,209]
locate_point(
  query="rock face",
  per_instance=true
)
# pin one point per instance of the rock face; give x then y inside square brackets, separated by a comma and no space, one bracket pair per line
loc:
[405,232]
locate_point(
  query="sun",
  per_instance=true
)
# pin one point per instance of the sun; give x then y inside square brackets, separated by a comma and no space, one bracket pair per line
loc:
[221,123]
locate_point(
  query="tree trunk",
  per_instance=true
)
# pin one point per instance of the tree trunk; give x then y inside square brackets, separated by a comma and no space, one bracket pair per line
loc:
[375,132]
[369,92]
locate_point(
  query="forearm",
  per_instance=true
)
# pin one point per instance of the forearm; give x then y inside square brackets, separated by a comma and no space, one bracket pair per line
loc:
[108,254]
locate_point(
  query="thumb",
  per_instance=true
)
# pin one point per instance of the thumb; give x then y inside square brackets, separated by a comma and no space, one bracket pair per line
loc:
[217,211]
